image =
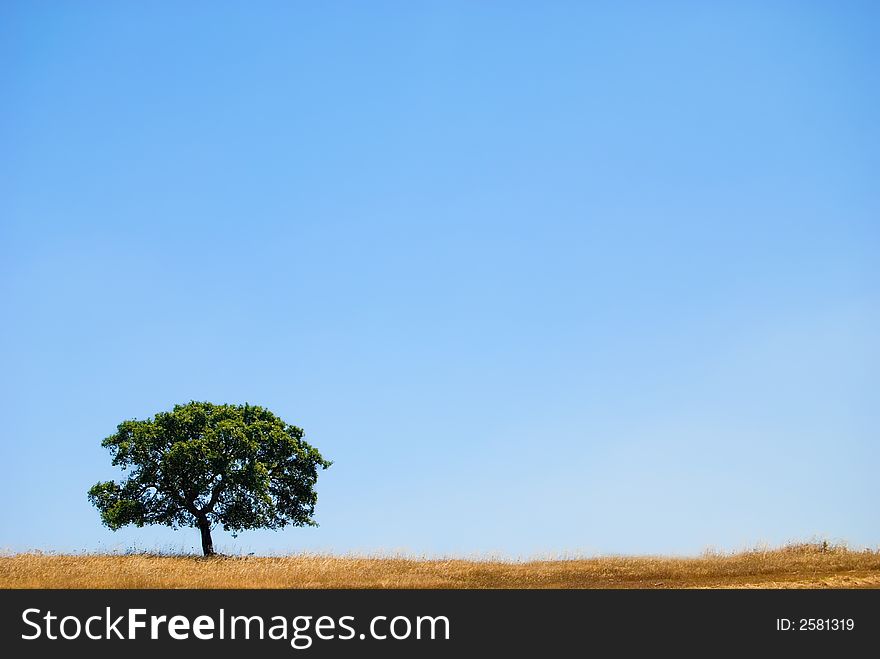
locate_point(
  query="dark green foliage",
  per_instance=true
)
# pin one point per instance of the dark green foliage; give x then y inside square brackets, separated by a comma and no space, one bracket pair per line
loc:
[202,464]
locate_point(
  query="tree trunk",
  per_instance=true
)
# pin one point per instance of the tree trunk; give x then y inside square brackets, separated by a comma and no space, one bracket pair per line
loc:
[207,543]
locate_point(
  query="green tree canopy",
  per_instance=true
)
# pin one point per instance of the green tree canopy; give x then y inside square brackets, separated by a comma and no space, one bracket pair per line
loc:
[202,464]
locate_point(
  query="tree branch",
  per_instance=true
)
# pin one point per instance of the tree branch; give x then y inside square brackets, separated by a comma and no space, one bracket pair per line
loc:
[216,491]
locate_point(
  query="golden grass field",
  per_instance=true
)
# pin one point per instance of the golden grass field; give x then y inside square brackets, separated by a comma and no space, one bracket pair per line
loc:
[796,566]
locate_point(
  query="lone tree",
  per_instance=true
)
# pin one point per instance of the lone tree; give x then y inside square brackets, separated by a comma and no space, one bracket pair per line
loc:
[202,464]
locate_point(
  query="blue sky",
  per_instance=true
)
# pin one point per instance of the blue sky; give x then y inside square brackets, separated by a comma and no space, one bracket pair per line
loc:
[540,278]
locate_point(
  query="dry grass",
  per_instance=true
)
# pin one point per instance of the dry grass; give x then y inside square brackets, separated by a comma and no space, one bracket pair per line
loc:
[796,566]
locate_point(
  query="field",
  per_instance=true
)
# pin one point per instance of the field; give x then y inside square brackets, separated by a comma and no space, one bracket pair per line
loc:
[797,566]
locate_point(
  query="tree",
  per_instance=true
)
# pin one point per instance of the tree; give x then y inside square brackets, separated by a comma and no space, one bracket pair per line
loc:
[203,464]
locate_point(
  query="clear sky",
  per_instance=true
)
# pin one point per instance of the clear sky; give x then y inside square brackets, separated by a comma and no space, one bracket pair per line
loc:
[540,277]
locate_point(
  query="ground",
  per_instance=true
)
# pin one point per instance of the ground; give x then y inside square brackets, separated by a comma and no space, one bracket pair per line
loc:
[799,566]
